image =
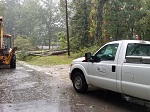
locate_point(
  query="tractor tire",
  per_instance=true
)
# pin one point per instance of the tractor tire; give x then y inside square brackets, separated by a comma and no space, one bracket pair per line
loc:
[13,62]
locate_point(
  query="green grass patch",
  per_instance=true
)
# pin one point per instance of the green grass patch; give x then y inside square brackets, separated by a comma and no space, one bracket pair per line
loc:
[48,60]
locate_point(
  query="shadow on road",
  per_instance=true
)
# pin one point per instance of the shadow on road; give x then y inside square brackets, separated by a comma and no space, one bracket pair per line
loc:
[118,100]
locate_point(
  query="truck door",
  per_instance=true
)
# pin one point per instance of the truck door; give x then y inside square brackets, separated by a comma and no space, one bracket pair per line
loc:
[135,73]
[102,72]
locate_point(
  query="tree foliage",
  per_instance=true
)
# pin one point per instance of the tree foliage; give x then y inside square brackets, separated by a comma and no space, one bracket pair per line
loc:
[108,20]
[62,40]
[120,18]
[91,22]
[37,20]
[23,44]
[86,24]
[80,25]
[2,8]
[143,25]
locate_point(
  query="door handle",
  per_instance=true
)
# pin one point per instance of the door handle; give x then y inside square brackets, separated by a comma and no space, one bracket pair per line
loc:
[113,68]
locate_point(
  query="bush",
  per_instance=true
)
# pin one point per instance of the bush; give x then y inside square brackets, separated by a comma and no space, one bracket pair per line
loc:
[81,52]
[22,55]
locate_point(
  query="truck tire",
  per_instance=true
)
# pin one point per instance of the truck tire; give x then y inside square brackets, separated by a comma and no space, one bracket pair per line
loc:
[13,62]
[79,82]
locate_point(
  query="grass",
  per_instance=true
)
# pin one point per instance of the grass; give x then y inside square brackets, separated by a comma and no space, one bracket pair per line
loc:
[49,60]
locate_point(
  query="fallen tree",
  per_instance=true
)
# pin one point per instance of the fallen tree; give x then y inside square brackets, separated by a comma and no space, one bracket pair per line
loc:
[46,53]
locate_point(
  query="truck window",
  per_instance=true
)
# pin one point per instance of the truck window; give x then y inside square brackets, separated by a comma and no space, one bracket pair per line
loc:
[136,49]
[108,52]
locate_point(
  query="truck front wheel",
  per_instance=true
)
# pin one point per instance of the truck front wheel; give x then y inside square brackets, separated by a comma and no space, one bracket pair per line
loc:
[13,62]
[79,82]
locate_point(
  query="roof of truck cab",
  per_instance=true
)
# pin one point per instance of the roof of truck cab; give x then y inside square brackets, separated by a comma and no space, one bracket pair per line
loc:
[131,41]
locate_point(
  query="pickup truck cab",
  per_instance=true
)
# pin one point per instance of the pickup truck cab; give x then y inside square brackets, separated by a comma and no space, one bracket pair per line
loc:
[120,66]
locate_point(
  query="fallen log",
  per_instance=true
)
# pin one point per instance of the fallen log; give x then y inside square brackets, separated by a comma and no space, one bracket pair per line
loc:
[47,53]
[58,52]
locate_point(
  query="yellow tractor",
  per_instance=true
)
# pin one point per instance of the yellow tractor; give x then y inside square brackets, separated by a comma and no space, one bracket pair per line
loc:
[7,54]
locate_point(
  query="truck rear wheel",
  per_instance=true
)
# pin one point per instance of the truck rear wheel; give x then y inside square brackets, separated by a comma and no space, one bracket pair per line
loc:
[13,62]
[79,82]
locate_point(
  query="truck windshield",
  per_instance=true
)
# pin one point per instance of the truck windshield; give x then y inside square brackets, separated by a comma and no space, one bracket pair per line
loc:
[136,49]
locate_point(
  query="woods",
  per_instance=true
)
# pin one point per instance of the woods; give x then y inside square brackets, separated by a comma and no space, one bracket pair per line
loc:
[91,22]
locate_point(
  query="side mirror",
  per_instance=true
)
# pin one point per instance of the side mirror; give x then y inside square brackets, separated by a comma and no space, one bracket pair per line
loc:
[87,56]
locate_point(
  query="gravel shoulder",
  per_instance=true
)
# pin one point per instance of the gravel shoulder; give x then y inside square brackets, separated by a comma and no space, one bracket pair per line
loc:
[60,71]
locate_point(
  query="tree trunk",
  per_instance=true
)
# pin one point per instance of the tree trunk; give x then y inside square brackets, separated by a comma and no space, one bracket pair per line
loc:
[85,24]
[100,19]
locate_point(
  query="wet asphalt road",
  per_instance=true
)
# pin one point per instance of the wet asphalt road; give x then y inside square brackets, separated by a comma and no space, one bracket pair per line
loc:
[27,90]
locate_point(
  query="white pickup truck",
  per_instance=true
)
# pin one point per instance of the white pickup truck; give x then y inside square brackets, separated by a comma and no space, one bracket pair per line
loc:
[120,66]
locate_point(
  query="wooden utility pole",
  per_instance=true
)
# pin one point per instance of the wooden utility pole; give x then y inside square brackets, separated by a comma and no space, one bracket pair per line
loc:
[67,29]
